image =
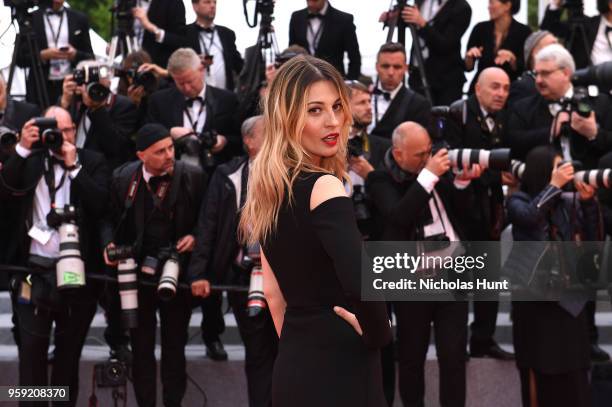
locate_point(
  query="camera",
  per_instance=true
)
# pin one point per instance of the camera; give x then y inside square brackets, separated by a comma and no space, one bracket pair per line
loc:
[192,148]
[69,269]
[120,252]
[166,288]
[145,79]
[362,212]
[517,168]
[354,147]
[251,263]
[8,138]
[50,136]
[599,75]
[90,76]
[112,373]
[601,178]
[578,103]
[495,159]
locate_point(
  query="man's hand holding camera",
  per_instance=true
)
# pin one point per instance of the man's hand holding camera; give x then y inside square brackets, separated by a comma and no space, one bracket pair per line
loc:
[585,126]
[30,134]
[561,175]
[438,163]
[69,88]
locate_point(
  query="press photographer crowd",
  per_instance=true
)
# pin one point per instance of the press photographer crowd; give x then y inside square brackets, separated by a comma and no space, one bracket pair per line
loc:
[122,181]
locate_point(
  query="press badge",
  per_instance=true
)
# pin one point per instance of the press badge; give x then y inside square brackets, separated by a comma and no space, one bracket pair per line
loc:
[58,69]
[25,293]
[41,233]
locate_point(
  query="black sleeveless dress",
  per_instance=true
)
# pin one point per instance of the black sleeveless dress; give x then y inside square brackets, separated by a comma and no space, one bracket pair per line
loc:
[315,257]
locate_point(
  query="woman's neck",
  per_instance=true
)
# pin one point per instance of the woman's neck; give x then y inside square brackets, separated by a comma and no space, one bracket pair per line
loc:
[502,24]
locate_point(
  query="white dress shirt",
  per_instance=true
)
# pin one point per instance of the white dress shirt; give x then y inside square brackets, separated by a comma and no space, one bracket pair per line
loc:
[440,222]
[602,48]
[380,105]
[58,68]
[314,30]
[210,44]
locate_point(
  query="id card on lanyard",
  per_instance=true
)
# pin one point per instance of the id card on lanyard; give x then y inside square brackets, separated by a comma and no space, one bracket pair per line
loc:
[58,68]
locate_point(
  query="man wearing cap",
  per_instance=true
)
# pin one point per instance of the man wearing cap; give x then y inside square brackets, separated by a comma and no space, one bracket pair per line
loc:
[154,204]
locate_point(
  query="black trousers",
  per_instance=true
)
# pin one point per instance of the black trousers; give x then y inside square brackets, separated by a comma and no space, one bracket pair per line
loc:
[174,323]
[483,327]
[34,325]
[569,389]
[261,345]
[387,361]
[114,333]
[414,321]
[440,96]
[213,324]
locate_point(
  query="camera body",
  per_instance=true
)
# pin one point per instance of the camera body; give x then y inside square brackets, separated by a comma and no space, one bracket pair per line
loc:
[90,77]
[192,148]
[50,136]
[8,138]
[578,103]
[354,147]
[112,373]
[145,79]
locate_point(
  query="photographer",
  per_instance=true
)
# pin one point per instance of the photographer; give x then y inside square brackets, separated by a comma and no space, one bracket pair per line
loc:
[550,338]
[440,26]
[545,118]
[40,177]
[194,107]
[62,35]
[154,205]
[483,127]
[418,200]
[105,121]
[366,152]
[159,26]
[590,43]
[219,258]
[139,78]
[393,102]
[216,44]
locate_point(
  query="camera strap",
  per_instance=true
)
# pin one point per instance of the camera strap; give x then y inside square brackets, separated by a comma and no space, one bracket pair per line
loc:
[433,196]
[203,36]
[49,175]
[194,125]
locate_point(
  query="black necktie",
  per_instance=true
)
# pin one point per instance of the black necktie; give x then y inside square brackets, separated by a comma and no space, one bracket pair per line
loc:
[54,160]
[189,101]
[384,94]
[51,12]
[315,15]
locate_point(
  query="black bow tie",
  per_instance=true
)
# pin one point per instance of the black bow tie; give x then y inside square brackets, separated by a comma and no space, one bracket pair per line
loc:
[155,181]
[208,30]
[382,93]
[608,29]
[59,161]
[51,12]
[189,101]
[315,15]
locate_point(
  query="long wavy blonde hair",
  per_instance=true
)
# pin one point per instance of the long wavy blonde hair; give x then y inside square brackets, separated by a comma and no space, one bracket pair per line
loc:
[282,156]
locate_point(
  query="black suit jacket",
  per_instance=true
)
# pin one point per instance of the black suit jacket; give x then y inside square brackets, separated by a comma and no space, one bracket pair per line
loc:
[17,113]
[403,207]
[78,37]
[485,220]
[88,193]
[338,36]
[184,198]
[111,129]
[167,106]
[442,35]
[529,126]
[407,105]
[582,56]
[169,15]
[231,56]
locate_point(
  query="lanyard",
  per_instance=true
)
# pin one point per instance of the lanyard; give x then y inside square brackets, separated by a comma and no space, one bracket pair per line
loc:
[59,28]
[207,49]
[194,125]
[433,196]
[316,36]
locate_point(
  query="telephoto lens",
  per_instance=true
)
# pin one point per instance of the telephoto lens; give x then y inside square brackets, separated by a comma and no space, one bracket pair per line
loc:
[120,252]
[256,301]
[601,178]
[517,168]
[70,269]
[166,289]
[128,291]
[496,159]
[8,138]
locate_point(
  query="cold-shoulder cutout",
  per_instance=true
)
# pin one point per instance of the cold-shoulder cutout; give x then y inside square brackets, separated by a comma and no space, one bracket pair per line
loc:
[325,188]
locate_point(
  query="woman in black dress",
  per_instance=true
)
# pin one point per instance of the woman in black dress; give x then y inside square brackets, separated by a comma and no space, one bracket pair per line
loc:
[498,41]
[551,338]
[311,248]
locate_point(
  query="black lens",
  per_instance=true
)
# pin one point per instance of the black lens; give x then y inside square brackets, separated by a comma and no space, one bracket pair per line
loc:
[8,138]
[97,92]
[147,80]
[53,139]
[500,159]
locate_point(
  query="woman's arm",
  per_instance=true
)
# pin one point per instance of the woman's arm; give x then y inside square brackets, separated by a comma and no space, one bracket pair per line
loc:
[273,294]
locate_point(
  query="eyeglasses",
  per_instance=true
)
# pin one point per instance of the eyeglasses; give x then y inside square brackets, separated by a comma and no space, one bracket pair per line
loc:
[545,74]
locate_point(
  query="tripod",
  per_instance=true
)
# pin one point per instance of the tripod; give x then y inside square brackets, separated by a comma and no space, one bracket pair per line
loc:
[123,39]
[26,34]
[398,22]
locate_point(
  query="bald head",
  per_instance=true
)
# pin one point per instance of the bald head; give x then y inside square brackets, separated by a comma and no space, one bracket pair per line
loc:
[411,146]
[64,122]
[492,89]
